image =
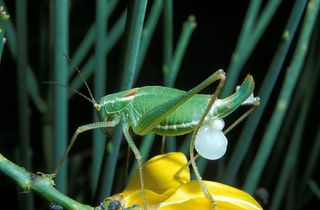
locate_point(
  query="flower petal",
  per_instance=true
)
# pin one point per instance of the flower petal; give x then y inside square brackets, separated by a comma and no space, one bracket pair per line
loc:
[153,199]
[226,197]
[193,203]
[159,174]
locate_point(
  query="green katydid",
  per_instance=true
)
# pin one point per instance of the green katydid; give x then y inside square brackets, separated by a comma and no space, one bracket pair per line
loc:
[169,112]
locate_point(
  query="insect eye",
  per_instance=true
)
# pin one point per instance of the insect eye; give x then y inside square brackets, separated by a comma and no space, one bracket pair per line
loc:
[114,205]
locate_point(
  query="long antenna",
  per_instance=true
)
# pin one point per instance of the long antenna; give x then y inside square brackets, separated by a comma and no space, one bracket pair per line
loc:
[82,77]
[70,88]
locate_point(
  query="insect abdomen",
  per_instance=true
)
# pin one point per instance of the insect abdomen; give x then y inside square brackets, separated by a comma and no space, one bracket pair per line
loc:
[181,121]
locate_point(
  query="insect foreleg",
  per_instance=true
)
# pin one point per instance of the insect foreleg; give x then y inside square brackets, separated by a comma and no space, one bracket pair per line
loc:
[137,155]
[83,128]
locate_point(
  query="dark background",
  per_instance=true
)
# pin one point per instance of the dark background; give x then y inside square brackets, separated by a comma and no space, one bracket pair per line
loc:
[210,48]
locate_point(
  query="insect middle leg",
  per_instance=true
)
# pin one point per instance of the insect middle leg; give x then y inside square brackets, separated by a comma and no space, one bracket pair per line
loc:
[137,155]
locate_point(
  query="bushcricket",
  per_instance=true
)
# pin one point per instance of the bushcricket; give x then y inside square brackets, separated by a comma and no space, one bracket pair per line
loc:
[170,112]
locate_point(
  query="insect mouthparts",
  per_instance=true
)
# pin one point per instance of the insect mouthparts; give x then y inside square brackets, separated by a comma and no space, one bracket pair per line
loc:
[97,106]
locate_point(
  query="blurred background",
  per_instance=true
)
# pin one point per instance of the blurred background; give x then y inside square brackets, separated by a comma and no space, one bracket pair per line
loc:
[273,155]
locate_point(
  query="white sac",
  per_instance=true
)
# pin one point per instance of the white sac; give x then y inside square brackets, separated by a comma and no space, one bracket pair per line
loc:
[211,143]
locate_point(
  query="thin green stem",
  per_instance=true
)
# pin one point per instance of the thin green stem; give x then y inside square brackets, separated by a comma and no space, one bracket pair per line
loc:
[113,37]
[314,153]
[133,30]
[32,83]
[89,39]
[168,55]
[23,104]
[184,148]
[188,28]
[99,87]
[61,34]
[310,71]
[183,41]
[244,36]
[43,185]
[312,160]
[34,91]
[167,38]
[314,188]
[248,43]
[283,100]
[147,33]
[295,141]
[265,91]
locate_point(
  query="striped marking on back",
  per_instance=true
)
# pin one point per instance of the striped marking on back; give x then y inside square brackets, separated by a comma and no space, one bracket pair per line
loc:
[177,126]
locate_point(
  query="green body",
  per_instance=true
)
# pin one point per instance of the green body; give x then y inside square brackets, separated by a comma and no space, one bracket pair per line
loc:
[131,105]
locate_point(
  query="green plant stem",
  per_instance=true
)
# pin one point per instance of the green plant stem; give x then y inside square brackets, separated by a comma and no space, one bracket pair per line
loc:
[113,37]
[61,34]
[147,33]
[314,188]
[99,87]
[40,184]
[292,154]
[244,36]
[313,158]
[167,38]
[314,153]
[23,104]
[273,72]
[34,91]
[32,83]
[170,143]
[310,71]
[89,38]
[283,100]
[248,40]
[133,30]
[188,27]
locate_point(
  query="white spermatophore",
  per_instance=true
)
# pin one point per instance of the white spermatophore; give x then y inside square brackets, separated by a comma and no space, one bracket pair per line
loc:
[211,143]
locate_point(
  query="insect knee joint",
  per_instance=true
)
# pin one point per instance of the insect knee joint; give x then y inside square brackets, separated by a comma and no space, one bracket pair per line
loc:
[79,130]
[138,157]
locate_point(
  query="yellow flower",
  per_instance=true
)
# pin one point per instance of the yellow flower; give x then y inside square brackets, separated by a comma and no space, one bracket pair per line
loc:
[164,192]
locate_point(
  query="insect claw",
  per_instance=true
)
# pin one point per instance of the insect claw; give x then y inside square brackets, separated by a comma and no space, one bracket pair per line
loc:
[46,175]
[256,101]
[220,71]
[213,202]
